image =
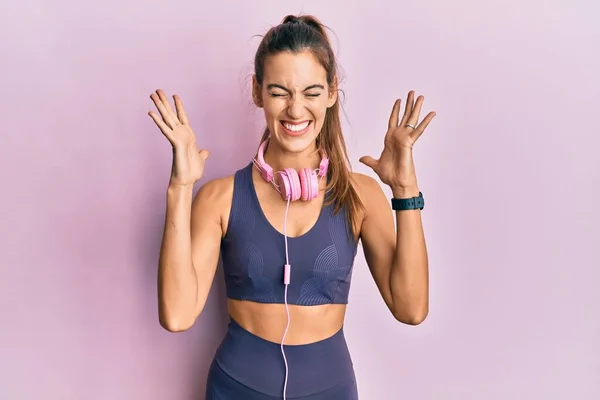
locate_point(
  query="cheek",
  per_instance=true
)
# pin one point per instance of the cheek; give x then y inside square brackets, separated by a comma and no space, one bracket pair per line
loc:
[319,111]
[318,107]
[273,109]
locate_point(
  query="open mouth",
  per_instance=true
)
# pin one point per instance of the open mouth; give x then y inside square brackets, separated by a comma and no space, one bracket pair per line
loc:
[296,129]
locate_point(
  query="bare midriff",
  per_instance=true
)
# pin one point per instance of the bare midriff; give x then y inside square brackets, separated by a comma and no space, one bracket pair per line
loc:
[308,324]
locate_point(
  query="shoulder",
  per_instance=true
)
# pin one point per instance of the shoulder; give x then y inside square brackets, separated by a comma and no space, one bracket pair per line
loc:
[364,183]
[370,193]
[367,188]
[217,189]
[213,201]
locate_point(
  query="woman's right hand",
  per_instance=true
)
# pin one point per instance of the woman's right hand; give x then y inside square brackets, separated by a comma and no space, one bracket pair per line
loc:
[188,160]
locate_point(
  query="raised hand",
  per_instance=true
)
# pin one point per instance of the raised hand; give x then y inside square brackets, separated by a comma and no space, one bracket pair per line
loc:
[188,160]
[395,165]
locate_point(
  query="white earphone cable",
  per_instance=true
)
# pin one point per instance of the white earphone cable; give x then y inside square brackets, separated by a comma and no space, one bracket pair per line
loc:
[286,281]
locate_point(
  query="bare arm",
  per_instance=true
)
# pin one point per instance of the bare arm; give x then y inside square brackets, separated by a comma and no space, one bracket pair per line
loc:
[190,246]
[395,253]
[189,253]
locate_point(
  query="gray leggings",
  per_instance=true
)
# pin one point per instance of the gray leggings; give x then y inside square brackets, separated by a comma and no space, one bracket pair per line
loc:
[247,367]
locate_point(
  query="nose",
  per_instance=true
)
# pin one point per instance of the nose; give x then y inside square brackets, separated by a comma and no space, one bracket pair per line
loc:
[296,107]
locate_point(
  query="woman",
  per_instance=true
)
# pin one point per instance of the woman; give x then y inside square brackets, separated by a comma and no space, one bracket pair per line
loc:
[287,226]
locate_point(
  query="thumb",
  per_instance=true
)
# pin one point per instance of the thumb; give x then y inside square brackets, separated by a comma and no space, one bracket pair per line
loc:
[368,161]
[204,154]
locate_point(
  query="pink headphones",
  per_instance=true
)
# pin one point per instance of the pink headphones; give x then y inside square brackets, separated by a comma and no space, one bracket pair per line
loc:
[289,183]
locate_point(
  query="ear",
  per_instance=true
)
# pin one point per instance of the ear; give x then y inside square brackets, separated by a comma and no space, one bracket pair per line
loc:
[333,95]
[256,93]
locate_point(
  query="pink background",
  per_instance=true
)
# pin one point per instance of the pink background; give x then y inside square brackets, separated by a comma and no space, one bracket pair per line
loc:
[509,168]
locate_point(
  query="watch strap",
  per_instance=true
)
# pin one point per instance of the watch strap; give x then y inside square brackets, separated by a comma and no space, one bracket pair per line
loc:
[412,203]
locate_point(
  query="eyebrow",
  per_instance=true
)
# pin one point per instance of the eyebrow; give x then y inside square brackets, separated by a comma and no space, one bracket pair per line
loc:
[275,85]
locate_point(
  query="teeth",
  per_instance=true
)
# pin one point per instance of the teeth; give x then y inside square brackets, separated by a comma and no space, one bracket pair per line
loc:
[296,128]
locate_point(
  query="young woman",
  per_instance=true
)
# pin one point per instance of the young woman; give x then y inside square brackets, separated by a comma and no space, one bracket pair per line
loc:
[287,227]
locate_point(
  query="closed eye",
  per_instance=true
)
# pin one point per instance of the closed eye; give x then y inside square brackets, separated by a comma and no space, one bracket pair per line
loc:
[306,90]
[283,94]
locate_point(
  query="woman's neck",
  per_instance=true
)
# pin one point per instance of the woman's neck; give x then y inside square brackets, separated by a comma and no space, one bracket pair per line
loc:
[279,159]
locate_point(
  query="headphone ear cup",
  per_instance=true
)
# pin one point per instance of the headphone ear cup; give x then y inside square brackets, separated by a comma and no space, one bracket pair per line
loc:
[309,184]
[313,178]
[289,184]
[283,182]
[304,185]
[296,187]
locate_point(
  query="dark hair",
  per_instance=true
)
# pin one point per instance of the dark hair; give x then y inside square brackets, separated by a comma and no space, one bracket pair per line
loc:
[296,34]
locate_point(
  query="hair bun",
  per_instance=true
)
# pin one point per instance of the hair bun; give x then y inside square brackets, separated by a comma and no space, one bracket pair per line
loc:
[292,19]
[308,20]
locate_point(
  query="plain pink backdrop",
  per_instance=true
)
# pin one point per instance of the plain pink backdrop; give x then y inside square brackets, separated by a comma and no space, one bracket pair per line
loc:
[509,169]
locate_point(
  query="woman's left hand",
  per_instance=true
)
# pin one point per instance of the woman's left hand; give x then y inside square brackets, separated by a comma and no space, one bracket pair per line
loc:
[395,165]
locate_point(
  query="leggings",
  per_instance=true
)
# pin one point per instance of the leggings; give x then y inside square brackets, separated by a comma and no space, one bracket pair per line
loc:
[247,367]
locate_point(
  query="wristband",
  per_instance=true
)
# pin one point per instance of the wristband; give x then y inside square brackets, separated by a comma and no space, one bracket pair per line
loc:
[412,203]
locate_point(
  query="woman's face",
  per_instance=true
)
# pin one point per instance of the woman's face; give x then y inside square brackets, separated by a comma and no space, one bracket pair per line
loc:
[295,97]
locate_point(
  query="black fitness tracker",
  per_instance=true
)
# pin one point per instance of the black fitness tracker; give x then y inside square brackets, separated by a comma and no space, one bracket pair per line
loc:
[412,203]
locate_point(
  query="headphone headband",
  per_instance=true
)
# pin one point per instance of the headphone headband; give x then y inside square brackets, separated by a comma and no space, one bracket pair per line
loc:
[267,172]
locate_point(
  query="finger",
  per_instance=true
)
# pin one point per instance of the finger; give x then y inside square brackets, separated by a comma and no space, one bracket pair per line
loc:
[166,116]
[165,100]
[204,154]
[408,107]
[164,128]
[368,161]
[413,119]
[180,110]
[393,123]
[422,126]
